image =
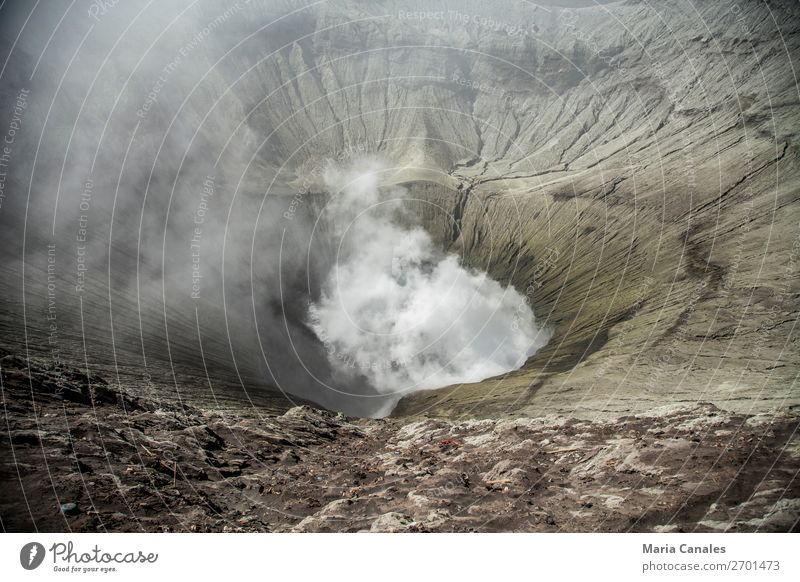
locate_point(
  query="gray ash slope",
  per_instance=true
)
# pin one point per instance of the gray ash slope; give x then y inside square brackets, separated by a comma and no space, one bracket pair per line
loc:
[634,165]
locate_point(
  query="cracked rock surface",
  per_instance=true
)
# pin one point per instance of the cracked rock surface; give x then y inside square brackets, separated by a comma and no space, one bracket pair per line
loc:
[133,464]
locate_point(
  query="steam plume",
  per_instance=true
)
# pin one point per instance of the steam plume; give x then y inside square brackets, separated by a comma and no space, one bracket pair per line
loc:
[401,313]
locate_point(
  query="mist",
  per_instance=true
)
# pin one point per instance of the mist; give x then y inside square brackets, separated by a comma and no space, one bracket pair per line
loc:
[167,219]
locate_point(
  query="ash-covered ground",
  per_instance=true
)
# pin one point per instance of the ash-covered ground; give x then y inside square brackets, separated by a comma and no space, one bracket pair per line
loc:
[131,463]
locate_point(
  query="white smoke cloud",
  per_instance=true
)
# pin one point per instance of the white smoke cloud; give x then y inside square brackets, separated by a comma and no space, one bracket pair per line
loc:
[402,313]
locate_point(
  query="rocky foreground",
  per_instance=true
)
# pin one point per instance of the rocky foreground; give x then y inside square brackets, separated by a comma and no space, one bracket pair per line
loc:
[133,464]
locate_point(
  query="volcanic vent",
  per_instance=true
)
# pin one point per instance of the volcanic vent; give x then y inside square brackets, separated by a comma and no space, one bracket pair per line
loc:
[556,242]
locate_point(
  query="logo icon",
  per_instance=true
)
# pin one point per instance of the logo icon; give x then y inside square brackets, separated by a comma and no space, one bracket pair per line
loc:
[31,555]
